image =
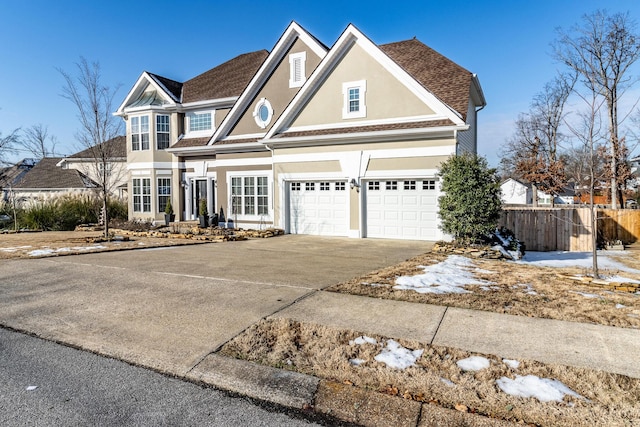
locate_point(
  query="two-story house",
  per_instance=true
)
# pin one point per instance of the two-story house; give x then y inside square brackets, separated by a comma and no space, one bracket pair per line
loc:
[341,141]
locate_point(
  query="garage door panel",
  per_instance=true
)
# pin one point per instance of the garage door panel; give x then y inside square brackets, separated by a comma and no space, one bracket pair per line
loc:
[402,209]
[318,208]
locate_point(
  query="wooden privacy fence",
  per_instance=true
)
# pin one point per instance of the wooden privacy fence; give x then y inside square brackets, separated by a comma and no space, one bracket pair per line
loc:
[621,224]
[568,229]
[549,229]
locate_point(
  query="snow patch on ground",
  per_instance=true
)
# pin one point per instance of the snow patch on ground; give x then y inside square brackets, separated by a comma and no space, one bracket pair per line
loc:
[14,249]
[563,259]
[362,340]
[447,382]
[473,363]
[393,355]
[513,364]
[586,295]
[397,357]
[49,251]
[448,276]
[620,306]
[543,389]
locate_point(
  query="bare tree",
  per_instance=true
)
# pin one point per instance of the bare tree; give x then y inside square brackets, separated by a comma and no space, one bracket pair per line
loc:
[37,141]
[601,51]
[532,153]
[94,103]
[7,145]
[588,133]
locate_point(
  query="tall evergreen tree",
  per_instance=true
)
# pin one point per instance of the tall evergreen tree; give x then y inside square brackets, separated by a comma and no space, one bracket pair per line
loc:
[470,206]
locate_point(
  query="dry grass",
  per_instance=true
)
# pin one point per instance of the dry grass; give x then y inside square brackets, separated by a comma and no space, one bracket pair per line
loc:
[611,400]
[19,245]
[555,297]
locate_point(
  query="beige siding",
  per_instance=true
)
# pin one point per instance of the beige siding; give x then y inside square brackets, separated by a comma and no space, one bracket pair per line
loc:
[467,139]
[437,142]
[276,91]
[409,163]
[385,96]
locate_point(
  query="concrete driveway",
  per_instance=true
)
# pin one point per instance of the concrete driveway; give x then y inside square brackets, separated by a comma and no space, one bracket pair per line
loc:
[169,308]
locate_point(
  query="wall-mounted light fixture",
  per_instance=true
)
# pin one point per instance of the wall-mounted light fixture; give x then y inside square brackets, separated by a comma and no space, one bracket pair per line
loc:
[354,184]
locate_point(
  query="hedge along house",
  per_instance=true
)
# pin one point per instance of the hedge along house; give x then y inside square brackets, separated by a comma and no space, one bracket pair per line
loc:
[341,141]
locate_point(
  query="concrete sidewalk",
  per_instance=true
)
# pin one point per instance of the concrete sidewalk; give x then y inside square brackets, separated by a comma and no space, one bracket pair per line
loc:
[598,347]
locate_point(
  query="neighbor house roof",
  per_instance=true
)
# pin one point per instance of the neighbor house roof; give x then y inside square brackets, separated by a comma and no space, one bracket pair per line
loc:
[438,74]
[46,175]
[226,80]
[11,175]
[116,147]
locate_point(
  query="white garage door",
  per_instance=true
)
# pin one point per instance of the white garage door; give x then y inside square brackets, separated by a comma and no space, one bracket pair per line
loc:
[318,207]
[402,209]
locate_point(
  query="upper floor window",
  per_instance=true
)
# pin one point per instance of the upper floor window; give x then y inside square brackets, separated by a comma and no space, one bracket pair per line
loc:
[199,121]
[162,131]
[354,99]
[140,133]
[297,63]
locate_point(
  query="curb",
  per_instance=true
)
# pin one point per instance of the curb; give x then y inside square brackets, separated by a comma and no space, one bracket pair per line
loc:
[309,396]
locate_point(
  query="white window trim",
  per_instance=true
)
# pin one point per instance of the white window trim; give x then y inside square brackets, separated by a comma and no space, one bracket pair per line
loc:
[254,174]
[140,133]
[158,132]
[158,195]
[142,195]
[302,58]
[362,85]
[207,132]
[256,113]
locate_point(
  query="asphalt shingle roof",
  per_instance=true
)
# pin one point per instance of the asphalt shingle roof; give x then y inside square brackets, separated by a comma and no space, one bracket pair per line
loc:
[225,80]
[46,175]
[444,78]
[116,147]
[174,87]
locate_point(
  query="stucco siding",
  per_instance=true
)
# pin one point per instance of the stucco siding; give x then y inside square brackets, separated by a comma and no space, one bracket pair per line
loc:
[385,96]
[276,91]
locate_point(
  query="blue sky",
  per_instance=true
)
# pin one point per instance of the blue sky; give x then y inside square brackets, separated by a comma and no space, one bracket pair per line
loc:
[506,43]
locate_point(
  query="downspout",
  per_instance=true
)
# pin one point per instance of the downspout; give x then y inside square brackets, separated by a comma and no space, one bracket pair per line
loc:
[475,129]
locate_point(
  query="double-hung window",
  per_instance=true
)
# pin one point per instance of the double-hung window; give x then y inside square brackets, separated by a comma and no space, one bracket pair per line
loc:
[162,131]
[164,193]
[354,105]
[250,195]
[142,194]
[140,133]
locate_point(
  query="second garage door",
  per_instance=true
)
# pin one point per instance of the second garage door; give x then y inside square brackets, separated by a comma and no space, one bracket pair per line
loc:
[402,209]
[318,207]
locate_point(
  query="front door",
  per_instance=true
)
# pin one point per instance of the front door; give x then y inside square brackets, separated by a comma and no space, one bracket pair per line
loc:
[199,192]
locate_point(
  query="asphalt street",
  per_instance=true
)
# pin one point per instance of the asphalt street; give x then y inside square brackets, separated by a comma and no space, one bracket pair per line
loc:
[47,384]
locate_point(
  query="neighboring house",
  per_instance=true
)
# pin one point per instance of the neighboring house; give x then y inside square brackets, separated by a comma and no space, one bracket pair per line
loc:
[11,175]
[340,141]
[86,162]
[515,192]
[46,180]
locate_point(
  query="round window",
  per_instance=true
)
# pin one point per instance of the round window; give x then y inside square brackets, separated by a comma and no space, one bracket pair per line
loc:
[263,113]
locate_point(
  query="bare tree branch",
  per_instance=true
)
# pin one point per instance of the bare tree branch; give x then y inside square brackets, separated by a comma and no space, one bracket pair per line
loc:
[94,104]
